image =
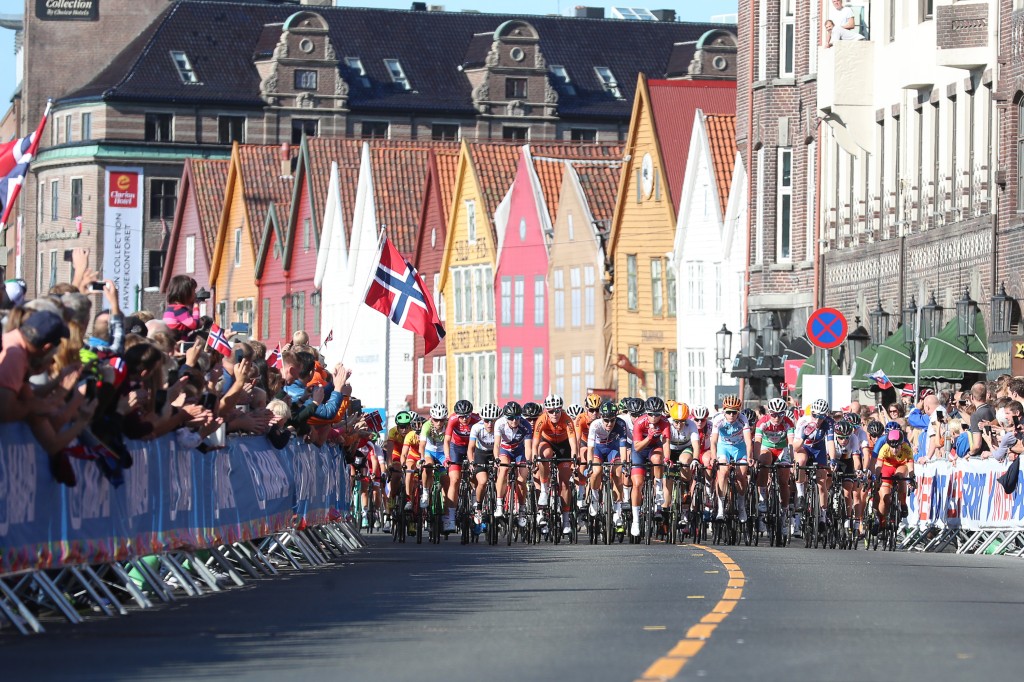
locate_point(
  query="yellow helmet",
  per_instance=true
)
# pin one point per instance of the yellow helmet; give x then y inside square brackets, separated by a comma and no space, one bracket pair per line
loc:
[679,411]
[593,401]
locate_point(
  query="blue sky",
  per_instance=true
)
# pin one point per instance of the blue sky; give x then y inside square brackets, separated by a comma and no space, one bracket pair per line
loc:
[686,10]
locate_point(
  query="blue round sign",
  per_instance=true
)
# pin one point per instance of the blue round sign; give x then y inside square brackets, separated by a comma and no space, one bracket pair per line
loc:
[826,328]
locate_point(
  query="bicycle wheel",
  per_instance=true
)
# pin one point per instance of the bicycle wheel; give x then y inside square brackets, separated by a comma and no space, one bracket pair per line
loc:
[490,495]
[647,511]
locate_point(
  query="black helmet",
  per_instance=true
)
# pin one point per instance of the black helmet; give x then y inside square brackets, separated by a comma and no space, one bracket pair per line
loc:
[654,405]
[634,406]
[513,410]
[750,415]
[532,410]
[843,429]
[463,408]
[853,418]
[609,410]
[876,429]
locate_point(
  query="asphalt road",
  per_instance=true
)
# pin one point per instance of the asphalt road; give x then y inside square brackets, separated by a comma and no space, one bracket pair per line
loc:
[454,613]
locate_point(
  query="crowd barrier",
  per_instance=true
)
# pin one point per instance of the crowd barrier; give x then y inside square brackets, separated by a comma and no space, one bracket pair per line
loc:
[962,504]
[181,518]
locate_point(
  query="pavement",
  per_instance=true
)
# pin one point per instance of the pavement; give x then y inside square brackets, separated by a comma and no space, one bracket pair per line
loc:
[580,612]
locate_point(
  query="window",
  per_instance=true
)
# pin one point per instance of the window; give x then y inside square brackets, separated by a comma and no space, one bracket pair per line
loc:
[156,267]
[784,220]
[634,357]
[717,272]
[448,132]
[589,293]
[222,312]
[87,126]
[305,79]
[230,129]
[812,227]
[577,380]
[474,294]
[457,285]
[583,135]
[519,300]
[506,300]
[356,64]
[304,126]
[478,294]
[576,297]
[515,88]
[67,128]
[244,311]
[265,320]
[787,49]
[695,290]
[608,82]
[76,198]
[54,198]
[438,297]
[506,371]
[927,9]
[158,127]
[315,299]
[163,196]
[762,40]
[815,39]
[695,376]
[397,73]
[53,269]
[515,133]
[670,290]
[759,209]
[184,66]
[559,377]
[375,130]
[238,246]
[559,301]
[589,380]
[538,301]
[632,295]
[299,310]
[440,379]
[422,384]
[672,372]
[517,372]
[307,232]
[569,226]
[561,78]
[657,293]
[471,221]
[190,254]
[1020,155]
[538,373]
[659,372]
[460,376]
[467,296]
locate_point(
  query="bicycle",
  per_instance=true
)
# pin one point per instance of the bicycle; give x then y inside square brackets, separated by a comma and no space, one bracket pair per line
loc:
[464,507]
[776,516]
[415,517]
[514,505]
[700,514]
[436,506]
[399,527]
[811,506]
[489,501]
[678,506]
[556,506]
[889,534]
[837,515]
[729,529]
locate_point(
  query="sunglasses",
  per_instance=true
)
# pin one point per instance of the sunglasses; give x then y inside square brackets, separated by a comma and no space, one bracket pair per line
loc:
[489,421]
[842,439]
[731,411]
[593,409]
[555,410]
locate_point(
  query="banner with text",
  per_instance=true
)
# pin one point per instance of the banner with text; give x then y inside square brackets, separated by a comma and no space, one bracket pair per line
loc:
[122,232]
[966,494]
[172,498]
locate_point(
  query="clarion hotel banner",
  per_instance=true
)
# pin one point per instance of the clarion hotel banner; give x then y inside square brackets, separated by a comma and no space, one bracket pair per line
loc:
[122,232]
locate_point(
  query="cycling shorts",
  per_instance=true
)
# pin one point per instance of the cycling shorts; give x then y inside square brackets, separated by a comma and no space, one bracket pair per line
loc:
[727,452]
[674,454]
[456,454]
[641,457]
[562,452]
[516,454]
[780,455]
[888,471]
[820,457]
[435,454]
[845,469]
[606,453]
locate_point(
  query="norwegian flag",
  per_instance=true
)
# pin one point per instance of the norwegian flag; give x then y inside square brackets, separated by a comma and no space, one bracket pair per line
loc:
[120,369]
[274,359]
[15,157]
[907,391]
[398,292]
[218,341]
[880,379]
[330,337]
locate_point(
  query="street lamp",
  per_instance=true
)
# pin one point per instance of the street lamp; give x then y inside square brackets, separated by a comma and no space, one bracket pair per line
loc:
[723,346]
[748,340]
[1002,311]
[966,312]
[909,317]
[879,321]
[771,336]
[857,341]
[931,319]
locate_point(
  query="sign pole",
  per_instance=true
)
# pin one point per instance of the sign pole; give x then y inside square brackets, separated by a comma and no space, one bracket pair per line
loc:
[828,377]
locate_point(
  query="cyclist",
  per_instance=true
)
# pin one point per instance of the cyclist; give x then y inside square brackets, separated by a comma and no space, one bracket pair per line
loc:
[554,437]
[651,437]
[896,458]
[432,441]
[367,464]
[683,442]
[773,444]
[512,445]
[607,443]
[814,440]
[481,452]
[591,407]
[730,443]
[411,458]
[575,412]
[394,443]
[848,458]
[456,446]
[861,444]
[629,410]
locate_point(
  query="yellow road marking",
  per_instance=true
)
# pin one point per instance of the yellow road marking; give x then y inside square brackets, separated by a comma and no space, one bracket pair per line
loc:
[668,666]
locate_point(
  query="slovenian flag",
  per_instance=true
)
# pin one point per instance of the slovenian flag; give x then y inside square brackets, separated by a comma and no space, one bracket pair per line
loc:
[880,379]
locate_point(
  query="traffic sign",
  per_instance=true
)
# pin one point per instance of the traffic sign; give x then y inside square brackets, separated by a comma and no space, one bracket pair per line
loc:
[826,328]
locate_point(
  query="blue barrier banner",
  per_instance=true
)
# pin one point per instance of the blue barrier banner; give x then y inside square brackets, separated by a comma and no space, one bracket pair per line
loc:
[966,494]
[172,498]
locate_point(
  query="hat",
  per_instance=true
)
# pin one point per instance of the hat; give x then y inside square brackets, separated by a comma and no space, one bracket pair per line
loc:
[16,289]
[43,327]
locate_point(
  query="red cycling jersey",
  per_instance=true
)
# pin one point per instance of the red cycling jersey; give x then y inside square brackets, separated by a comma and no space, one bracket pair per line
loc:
[644,426]
[458,430]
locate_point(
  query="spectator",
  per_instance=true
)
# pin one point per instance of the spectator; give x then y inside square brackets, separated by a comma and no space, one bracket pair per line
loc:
[843,24]
[1015,389]
[182,313]
[959,433]
[981,419]
[1009,432]
[27,349]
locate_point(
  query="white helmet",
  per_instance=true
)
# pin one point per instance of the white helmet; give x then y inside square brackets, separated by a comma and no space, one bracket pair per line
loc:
[553,402]
[700,412]
[574,410]
[819,407]
[490,411]
[438,411]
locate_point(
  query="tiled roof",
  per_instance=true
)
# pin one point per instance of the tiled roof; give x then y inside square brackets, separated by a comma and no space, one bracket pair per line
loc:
[260,169]
[221,39]
[551,167]
[721,129]
[209,178]
[322,151]
[447,166]
[600,184]
[674,105]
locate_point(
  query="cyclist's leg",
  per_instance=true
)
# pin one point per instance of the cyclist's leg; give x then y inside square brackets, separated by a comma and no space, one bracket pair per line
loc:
[722,482]
[636,475]
[502,483]
[544,471]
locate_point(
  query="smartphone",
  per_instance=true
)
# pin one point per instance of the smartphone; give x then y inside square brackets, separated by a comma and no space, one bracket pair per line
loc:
[172,377]
[96,286]
[209,401]
[940,416]
[184,346]
[239,355]
[160,399]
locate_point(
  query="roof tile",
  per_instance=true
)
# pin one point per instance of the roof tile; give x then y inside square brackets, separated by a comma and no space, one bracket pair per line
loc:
[721,129]
[551,166]
[209,180]
[600,184]
[263,184]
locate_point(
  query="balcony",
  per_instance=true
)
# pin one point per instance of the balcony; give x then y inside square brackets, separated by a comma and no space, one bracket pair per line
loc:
[845,93]
[963,34]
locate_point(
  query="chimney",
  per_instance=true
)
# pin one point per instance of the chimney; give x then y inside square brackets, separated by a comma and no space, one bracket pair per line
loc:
[584,12]
[286,160]
[419,7]
[664,14]
[318,3]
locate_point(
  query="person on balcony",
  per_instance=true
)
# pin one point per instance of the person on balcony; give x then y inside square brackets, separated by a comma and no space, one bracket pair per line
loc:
[841,25]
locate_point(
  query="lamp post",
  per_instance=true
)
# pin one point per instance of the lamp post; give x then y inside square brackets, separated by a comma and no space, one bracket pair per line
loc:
[856,341]
[723,347]
[966,312]
[748,340]
[919,325]
[879,322]
[1002,311]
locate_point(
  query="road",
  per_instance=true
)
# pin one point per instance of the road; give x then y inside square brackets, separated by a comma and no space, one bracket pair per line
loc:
[466,613]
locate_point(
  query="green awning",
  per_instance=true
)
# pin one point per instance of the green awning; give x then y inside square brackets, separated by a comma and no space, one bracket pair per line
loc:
[809,367]
[862,367]
[943,357]
[893,357]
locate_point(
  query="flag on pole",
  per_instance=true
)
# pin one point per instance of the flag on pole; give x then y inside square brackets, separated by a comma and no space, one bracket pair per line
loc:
[398,292]
[330,337]
[880,379]
[274,359]
[908,391]
[15,157]
[218,341]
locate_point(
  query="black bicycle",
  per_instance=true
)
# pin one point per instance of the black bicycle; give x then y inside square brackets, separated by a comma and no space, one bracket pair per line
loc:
[811,507]
[776,517]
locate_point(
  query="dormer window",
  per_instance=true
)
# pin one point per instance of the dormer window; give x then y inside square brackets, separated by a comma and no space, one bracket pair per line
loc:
[356,64]
[397,73]
[184,66]
[608,81]
[562,80]
[305,79]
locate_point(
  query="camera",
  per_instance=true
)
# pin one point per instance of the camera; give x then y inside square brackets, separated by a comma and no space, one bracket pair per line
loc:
[203,295]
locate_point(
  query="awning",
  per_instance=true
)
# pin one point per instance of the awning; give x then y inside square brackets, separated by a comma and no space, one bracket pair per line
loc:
[943,357]
[862,367]
[893,357]
[809,367]
[741,365]
[797,349]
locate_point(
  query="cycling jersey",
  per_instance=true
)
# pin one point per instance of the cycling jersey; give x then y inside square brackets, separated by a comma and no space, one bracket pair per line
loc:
[554,431]
[681,438]
[645,426]
[484,439]
[583,423]
[396,442]
[601,434]
[774,436]
[815,434]
[627,419]
[730,433]
[896,457]
[412,439]
[704,436]
[511,434]
[459,431]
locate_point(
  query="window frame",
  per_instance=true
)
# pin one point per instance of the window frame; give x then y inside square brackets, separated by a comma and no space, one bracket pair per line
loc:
[77,197]
[609,83]
[576,297]
[443,137]
[186,71]
[226,129]
[558,300]
[538,373]
[516,87]
[356,64]
[561,76]
[238,246]
[506,300]
[86,125]
[369,129]
[784,206]
[54,199]
[397,73]
[515,133]
[158,127]
[787,38]
[190,254]
[657,290]
[518,300]
[470,207]
[161,204]
[589,296]
[539,286]
[632,285]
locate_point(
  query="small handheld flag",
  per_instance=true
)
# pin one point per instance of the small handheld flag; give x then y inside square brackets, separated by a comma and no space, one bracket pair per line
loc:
[218,341]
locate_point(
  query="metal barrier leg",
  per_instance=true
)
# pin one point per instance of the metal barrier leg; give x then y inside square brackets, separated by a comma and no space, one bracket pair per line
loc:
[91,575]
[129,585]
[256,558]
[337,540]
[182,577]
[153,580]
[1004,545]
[272,544]
[202,571]
[50,591]
[226,566]
[318,544]
[349,530]
[304,549]
[93,595]
[240,559]
[967,546]
[23,620]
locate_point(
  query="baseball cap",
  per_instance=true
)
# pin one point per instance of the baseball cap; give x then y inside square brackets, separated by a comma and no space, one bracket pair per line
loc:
[16,289]
[43,327]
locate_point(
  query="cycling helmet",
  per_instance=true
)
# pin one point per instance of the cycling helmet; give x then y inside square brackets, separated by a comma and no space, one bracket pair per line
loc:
[819,408]
[700,412]
[553,402]
[750,415]
[532,410]
[634,406]
[654,405]
[875,429]
[373,437]
[843,429]
[438,411]
[889,426]
[403,418]
[679,411]
[513,410]
[463,408]
[574,410]
[777,406]
[609,410]
[592,402]
[490,412]
[417,421]
[623,405]
[894,437]
[853,418]
[731,402]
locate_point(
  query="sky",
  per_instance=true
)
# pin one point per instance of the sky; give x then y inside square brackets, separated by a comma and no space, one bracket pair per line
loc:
[686,10]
